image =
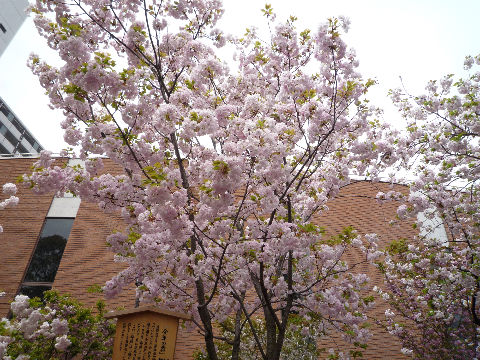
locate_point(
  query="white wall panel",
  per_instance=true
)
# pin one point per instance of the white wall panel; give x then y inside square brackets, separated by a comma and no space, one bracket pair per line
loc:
[64,207]
[12,14]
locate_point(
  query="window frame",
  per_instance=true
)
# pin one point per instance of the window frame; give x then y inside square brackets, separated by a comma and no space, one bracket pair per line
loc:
[46,284]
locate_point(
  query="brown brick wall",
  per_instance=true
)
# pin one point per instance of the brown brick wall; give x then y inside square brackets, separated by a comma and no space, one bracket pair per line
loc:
[87,260]
[21,226]
[356,206]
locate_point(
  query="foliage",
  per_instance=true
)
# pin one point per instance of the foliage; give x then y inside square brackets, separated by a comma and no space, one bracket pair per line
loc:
[57,327]
[433,282]
[225,171]
[300,340]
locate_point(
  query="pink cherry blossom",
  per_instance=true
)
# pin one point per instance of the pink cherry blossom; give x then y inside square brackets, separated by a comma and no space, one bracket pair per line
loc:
[226,171]
[62,343]
[432,280]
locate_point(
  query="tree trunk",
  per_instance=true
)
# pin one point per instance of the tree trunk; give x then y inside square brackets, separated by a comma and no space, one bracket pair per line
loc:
[206,321]
[271,329]
[238,333]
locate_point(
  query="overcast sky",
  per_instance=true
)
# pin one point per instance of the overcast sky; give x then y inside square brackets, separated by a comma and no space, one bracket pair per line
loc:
[418,40]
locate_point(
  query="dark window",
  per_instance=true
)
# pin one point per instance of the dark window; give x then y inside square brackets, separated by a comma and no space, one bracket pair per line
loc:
[17,124]
[29,138]
[34,291]
[13,140]
[3,150]
[47,256]
[10,137]
[22,149]
[5,111]
[3,28]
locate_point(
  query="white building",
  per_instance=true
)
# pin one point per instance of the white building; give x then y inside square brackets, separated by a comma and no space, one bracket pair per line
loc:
[14,136]
[12,15]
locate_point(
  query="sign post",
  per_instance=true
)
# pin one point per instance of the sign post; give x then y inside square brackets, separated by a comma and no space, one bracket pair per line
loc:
[146,333]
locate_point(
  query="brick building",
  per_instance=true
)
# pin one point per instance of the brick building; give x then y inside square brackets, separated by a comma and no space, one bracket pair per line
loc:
[85,260]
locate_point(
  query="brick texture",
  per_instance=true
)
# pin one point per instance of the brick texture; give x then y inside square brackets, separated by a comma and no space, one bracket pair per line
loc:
[356,206]
[87,260]
[22,225]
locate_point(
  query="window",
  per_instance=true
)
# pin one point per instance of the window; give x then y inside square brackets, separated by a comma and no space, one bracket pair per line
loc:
[4,111]
[47,256]
[29,138]
[3,150]
[17,124]
[22,149]
[34,291]
[10,137]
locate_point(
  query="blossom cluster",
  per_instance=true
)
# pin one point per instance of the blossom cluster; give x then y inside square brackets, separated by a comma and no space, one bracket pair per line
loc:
[10,190]
[58,327]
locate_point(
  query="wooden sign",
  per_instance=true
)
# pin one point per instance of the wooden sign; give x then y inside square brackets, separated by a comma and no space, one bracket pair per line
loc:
[145,333]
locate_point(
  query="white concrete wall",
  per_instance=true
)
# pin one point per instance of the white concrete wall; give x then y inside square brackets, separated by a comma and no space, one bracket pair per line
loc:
[12,14]
[432,226]
[64,207]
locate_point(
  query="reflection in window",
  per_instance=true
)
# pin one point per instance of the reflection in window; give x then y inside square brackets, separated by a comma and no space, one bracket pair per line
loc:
[47,256]
[34,291]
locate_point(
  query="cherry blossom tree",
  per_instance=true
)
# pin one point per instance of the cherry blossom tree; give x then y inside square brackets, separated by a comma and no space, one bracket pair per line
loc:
[433,281]
[225,171]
